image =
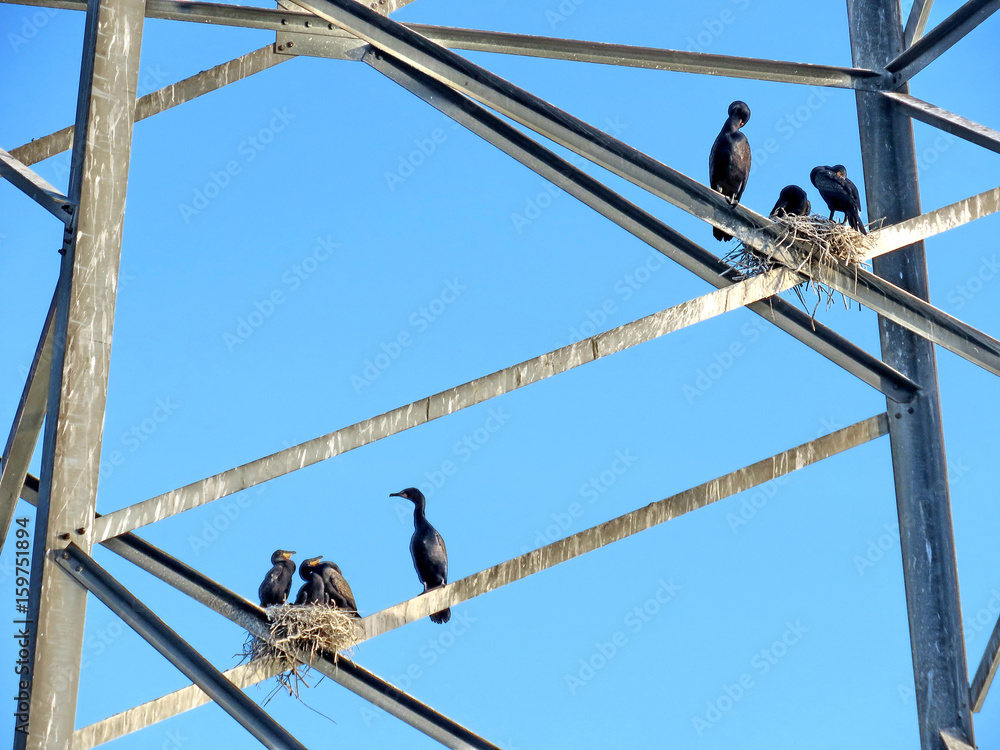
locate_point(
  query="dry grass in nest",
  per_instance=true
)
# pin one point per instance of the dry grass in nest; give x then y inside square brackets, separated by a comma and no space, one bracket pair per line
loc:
[298,630]
[829,244]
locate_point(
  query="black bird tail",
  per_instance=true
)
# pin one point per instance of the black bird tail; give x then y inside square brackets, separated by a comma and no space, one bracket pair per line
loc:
[854,218]
[720,235]
[441,617]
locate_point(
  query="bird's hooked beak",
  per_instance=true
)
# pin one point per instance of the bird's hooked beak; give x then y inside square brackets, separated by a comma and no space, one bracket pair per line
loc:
[286,554]
[396,494]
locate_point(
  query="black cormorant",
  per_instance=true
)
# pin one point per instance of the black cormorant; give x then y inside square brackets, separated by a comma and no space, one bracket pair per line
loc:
[839,193]
[729,160]
[430,558]
[278,581]
[791,201]
[337,590]
[313,591]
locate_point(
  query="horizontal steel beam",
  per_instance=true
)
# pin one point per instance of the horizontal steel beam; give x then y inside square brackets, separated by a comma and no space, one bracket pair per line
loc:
[946,121]
[639,223]
[986,671]
[926,225]
[942,37]
[36,187]
[514,44]
[80,566]
[624,526]
[913,313]
[162,99]
[916,22]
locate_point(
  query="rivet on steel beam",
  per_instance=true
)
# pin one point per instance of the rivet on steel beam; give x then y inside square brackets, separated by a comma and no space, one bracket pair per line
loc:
[308,24]
[281,47]
[78,568]
[65,555]
[284,21]
[330,26]
[290,45]
[81,531]
[64,536]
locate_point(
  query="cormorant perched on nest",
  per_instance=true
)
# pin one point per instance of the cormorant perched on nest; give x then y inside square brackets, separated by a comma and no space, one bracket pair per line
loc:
[337,590]
[839,193]
[313,591]
[278,581]
[430,558]
[729,160]
[791,201]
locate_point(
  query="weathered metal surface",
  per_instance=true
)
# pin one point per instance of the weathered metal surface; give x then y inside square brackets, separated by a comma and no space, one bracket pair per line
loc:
[163,708]
[947,121]
[82,568]
[162,99]
[26,427]
[248,615]
[916,22]
[35,187]
[953,741]
[78,386]
[914,314]
[916,435]
[642,225]
[986,670]
[446,402]
[922,53]
[625,526]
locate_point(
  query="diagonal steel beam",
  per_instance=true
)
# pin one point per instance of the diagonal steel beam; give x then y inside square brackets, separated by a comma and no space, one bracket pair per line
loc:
[946,121]
[512,44]
[85,571]
[926,225]
[162,99]
[938,40]
[986,671]
[625,526]
[77,395]
[913,313]
[35,187]
[446,402]
[916,22]
[634,220]
[26,427]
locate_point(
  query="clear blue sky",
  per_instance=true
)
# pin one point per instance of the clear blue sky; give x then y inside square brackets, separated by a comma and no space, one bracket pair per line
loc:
[247,319]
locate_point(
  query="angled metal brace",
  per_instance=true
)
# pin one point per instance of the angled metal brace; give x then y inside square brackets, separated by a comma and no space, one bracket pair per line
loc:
[945,120]
[986,671]
[916,22]
[36,187]
[162,99]
[942,37]
[82,568]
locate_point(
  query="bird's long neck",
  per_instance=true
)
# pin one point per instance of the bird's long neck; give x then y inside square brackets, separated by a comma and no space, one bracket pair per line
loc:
[732,124]
[418,513]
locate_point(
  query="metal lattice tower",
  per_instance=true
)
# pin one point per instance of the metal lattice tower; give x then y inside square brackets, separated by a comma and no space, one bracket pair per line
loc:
[66,388]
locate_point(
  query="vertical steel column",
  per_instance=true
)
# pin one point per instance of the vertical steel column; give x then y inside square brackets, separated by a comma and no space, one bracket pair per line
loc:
[85,311]
[915,431]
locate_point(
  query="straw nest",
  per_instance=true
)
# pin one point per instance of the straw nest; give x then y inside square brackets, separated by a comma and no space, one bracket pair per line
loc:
[298,633]
[828,243]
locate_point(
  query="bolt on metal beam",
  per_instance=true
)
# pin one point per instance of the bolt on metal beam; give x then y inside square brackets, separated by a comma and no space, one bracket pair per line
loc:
[85,571]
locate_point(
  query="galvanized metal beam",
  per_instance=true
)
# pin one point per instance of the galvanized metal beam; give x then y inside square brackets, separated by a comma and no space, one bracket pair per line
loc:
[509,44]
[36,187]
[162,99]
[78,385]
[624,526]
[935,222]
[916,22]
[26,427]
[253,618]
[642,225]
[916,435]
[986,670]
[922,53]
[173,704]
[946,121]
[85,571]
[446,402]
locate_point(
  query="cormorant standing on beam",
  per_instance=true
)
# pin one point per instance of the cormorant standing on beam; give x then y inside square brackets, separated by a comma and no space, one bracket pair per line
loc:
[792,201]
[729,160]
[335,585]
[430,558]
[278,581]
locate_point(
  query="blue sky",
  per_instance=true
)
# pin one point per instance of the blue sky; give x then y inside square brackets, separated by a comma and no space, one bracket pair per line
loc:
[353,251]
